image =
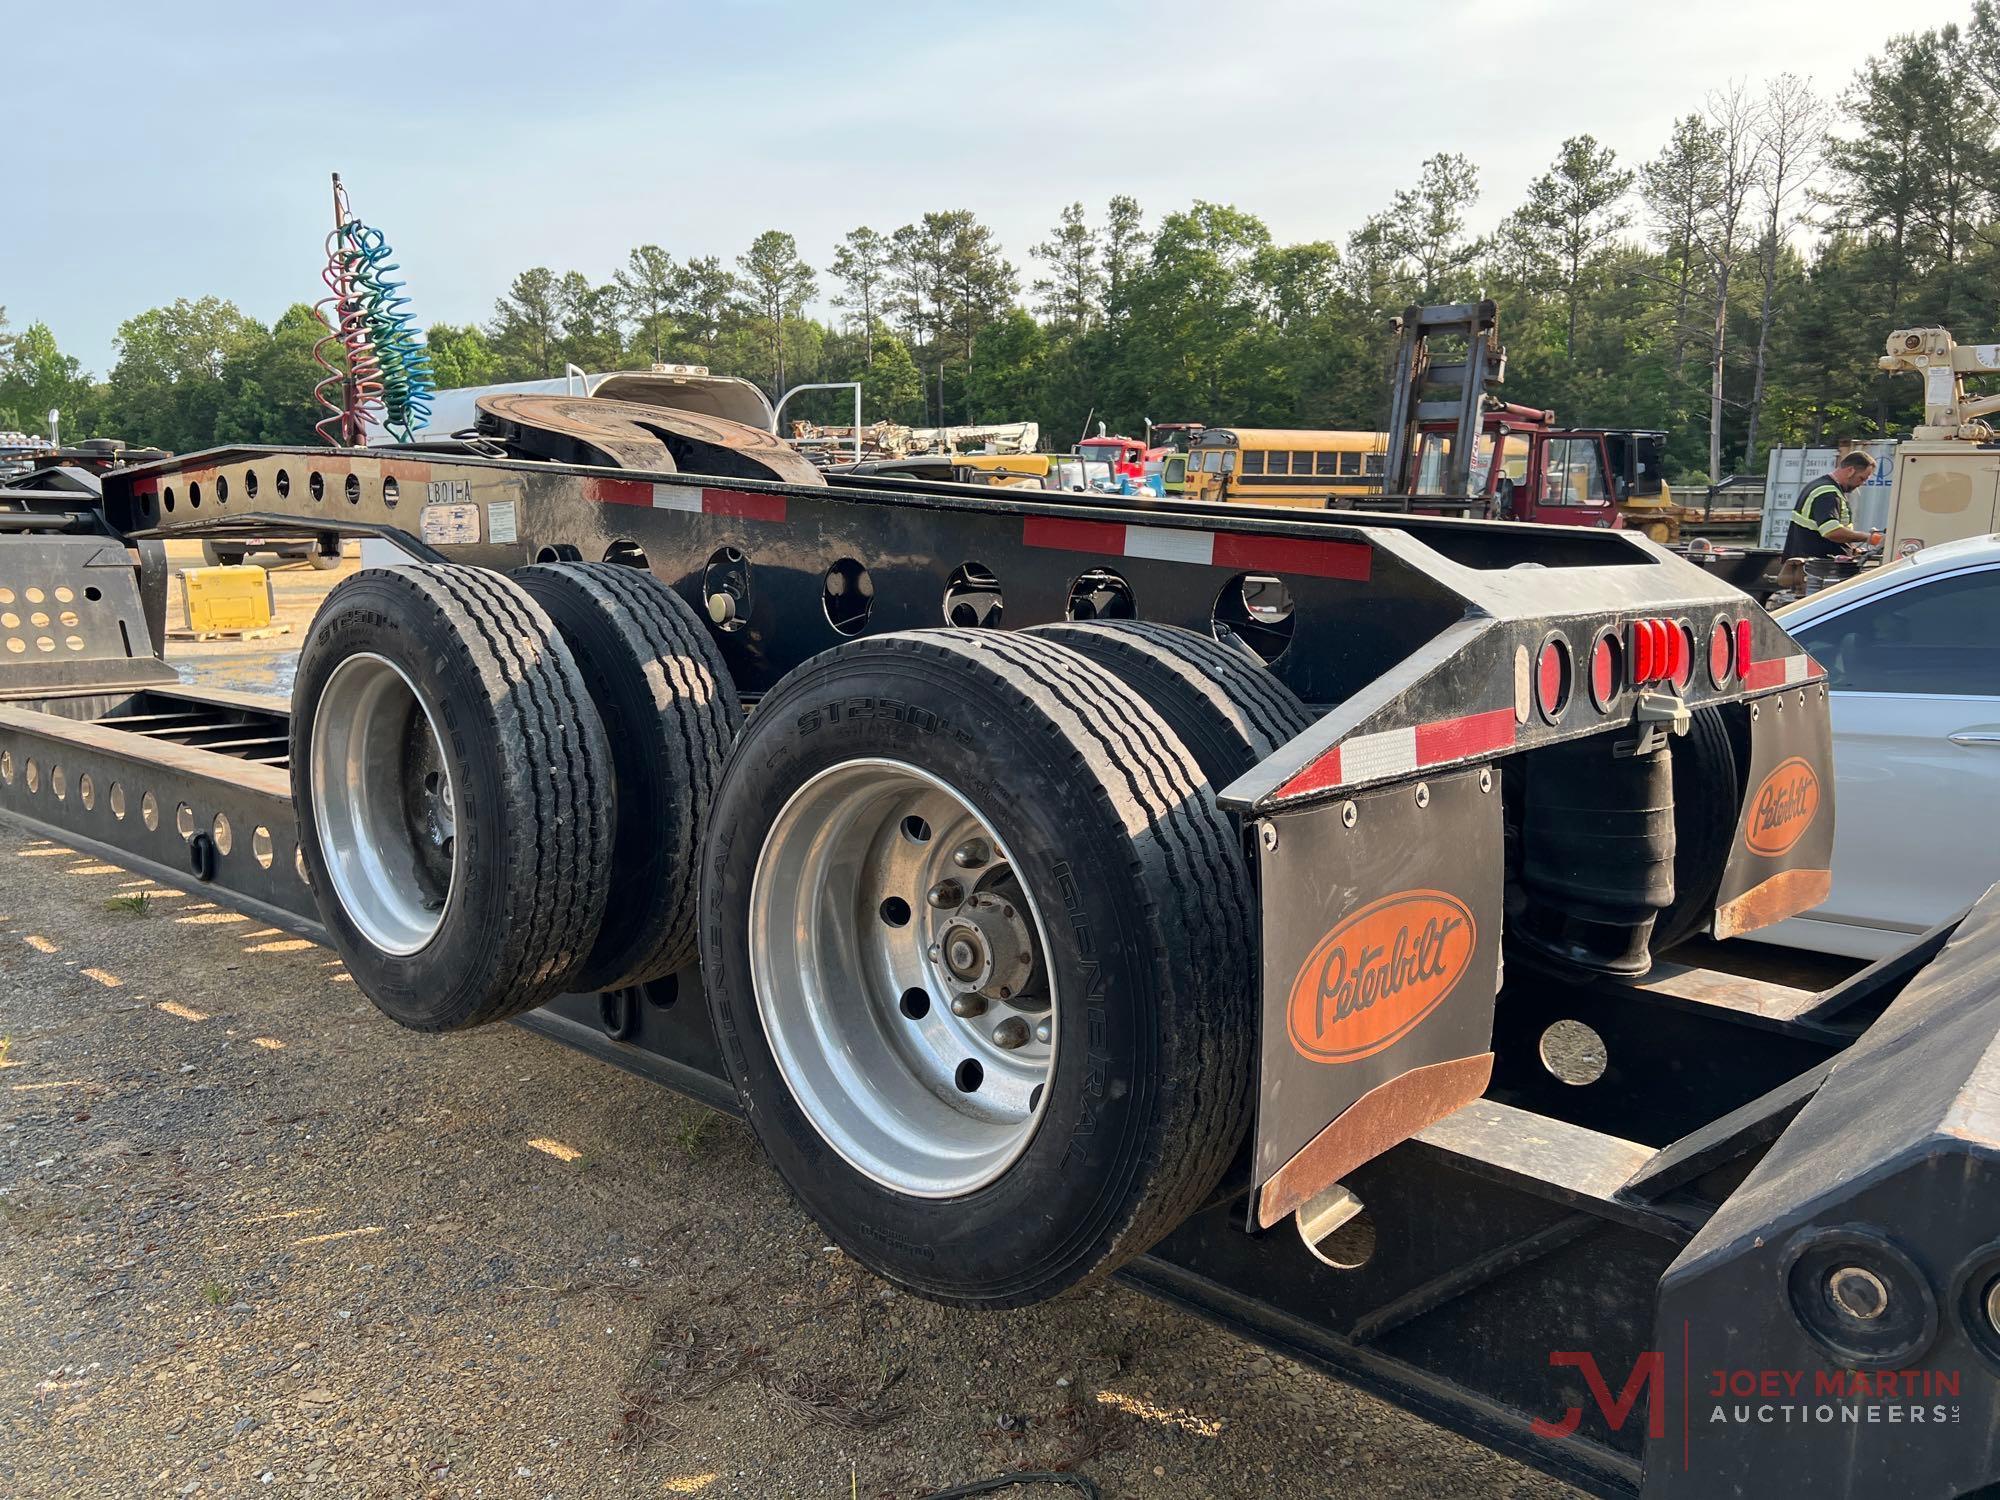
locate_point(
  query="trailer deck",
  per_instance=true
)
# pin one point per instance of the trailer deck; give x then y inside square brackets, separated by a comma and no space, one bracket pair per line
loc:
[1544,1219]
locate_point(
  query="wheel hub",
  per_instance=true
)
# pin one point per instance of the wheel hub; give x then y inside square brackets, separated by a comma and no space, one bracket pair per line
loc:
[984,948]
[382,803]
[899,973]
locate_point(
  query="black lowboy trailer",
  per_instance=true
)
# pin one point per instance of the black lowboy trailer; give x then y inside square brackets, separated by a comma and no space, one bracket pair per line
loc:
[1094,887]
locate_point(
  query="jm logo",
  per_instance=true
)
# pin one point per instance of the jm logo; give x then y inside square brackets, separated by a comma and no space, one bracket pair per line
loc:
[1648,1376]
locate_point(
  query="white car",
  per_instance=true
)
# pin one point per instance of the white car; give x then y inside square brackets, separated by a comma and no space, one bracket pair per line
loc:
[1912,655]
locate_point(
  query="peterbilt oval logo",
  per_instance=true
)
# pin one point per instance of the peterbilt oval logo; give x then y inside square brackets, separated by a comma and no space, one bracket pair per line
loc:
[1368,982]
[1782,809]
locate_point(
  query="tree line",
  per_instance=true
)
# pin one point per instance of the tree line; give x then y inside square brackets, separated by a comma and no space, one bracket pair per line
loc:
[1734,289]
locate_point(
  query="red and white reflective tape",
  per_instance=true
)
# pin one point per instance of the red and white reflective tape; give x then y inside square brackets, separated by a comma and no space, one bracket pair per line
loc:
[1219,549]
[1390,753]
[1781,671]
[742,504]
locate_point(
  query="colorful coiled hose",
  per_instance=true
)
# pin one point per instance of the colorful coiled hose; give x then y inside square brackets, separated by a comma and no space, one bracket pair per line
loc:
[384,370]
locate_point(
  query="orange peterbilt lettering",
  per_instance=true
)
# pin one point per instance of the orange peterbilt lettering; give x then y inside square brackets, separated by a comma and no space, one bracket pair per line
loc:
[1783,808]
[1384,968]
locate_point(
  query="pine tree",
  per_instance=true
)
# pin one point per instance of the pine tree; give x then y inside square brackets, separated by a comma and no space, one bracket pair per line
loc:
[861,261]
[1572,210]
[646,287]
[1074,287]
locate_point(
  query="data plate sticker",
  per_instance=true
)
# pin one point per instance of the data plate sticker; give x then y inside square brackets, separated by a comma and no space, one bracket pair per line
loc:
[450,525]
[500,522]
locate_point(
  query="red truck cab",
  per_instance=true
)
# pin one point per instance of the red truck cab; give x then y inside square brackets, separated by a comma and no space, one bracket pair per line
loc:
[1128,457]
[1528,469]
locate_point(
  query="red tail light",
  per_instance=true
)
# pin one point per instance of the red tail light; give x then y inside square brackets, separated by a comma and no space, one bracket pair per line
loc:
[1743,657]
[1604,671]
[1661,651]
[1553,677]
[1721,652]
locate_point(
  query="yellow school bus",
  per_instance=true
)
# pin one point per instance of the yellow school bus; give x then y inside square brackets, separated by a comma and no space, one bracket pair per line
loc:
[1283,466]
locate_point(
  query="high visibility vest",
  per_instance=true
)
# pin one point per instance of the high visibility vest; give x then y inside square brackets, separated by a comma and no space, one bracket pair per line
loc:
[1843,517]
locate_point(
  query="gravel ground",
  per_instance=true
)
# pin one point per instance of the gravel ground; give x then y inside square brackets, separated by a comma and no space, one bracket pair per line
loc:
[253,1235]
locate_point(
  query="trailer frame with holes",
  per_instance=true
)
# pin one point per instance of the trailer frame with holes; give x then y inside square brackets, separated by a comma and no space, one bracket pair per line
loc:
[1557,1268]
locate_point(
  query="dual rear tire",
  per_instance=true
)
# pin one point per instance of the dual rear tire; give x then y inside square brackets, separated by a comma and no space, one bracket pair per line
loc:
[463,814]
[977,940]
[978,944]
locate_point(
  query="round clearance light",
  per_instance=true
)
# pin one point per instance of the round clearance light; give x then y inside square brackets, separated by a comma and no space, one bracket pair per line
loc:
[1604,671]
[1721,652]
[1682,635]
[1645,653]
[1553,676]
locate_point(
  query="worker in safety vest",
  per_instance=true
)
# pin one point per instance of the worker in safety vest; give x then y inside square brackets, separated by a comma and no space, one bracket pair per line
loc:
[1823,521]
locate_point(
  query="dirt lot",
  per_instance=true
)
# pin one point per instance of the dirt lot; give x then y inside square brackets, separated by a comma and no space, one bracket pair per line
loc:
[252,1235]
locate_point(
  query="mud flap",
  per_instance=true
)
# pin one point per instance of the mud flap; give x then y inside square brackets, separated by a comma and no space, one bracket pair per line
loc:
[1782,860]
[1381,963]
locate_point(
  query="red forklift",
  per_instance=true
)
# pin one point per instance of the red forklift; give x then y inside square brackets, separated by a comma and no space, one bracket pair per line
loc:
[1455,449]
[1525,468]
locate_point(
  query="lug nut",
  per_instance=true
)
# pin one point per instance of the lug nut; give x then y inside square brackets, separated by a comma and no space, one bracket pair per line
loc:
[1858,1292]
[965,1007]
[1011,1033]
[1044,1031]
[971,854]
[946,894]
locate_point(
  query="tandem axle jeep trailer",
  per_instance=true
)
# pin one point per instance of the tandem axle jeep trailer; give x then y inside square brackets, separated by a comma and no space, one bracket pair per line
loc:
[1092,887]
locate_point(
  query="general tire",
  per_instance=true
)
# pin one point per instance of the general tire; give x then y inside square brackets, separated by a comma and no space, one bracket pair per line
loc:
[1223,704]
[530,782]
[670,713]
[1139,878]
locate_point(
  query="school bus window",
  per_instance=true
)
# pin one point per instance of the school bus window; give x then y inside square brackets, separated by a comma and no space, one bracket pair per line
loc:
[1325,463]
[1302,464]
[1274,463]
[1253,463]
[1373,462]
[1350,463]
[1211,461]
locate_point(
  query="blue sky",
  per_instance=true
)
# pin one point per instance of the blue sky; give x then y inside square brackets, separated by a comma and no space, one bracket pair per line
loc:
[178,150]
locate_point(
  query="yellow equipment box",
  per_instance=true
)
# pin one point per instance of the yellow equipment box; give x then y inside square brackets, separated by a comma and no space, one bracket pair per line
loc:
[226,599]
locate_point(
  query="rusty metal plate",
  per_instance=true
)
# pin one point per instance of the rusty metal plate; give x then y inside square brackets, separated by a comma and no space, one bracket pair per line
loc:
[1381,961]
[630,435]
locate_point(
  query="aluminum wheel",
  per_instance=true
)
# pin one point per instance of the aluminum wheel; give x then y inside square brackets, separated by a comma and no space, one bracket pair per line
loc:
[899,970]
[382,802]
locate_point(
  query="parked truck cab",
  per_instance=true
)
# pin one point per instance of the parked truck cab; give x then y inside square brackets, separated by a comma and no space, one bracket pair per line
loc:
[1528,469]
